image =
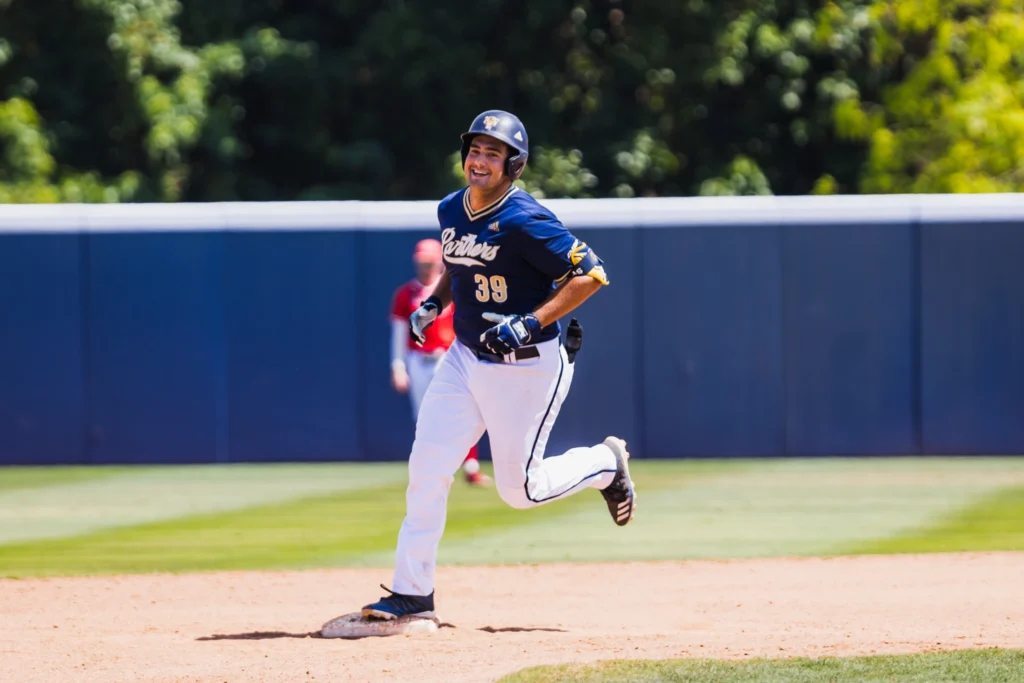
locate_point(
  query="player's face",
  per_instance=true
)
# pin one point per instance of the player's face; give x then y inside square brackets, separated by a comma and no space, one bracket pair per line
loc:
[485,163]
[427,271]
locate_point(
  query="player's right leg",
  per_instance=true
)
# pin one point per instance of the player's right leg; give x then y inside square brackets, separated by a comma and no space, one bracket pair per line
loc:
[448,424]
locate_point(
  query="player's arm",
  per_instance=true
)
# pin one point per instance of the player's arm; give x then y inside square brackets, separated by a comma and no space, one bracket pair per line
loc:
[443,289]
[424,316]
[570,263]
[399,316]
[399,373]
[566,299]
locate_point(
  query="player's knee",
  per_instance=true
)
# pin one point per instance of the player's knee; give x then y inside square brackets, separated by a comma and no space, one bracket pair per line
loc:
[515,496]
[424,461]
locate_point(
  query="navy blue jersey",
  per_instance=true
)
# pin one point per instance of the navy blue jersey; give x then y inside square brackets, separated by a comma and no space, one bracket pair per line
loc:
[506,258]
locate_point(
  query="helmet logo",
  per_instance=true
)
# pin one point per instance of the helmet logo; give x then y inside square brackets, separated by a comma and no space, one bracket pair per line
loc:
[518,136]
[490,122]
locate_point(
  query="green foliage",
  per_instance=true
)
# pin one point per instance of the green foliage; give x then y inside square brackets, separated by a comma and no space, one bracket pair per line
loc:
[29,173]
[954,121]
[159,100]
[742,177]
[557,173]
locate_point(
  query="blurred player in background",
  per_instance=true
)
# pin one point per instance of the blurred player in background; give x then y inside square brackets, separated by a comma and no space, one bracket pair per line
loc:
[413,366]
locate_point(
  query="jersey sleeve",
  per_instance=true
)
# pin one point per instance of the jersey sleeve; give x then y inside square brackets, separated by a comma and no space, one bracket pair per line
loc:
[549,247]
[400,304]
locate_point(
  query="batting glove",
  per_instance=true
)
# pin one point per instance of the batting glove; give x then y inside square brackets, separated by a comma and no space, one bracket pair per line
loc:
[422,318]
[510,332]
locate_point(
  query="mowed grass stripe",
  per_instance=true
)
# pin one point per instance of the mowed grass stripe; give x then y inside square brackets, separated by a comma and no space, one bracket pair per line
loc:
[579,528]
[764,508]
[354,528]
[687,509]
[13,478]
[316,531]
[977,666]
[144,494]
[996,522]
[266,536]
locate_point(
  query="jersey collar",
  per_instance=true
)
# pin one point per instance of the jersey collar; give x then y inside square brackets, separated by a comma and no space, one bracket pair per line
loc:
[480,213]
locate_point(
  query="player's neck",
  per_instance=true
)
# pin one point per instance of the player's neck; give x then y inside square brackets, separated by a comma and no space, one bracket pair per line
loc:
[479,198]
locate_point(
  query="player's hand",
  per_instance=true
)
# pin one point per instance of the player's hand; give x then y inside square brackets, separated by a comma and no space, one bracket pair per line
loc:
[422,318]
[399,377]
[510,332]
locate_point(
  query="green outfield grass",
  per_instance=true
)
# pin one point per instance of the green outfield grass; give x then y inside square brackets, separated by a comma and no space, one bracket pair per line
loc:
[142,519]
[995,522]
[12,478]
[983,666]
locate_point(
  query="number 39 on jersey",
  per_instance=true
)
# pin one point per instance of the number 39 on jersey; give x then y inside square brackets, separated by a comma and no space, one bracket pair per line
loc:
[490,289]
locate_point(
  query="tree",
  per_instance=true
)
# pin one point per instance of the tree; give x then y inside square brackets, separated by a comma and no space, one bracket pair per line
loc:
[158,100]
[951,119]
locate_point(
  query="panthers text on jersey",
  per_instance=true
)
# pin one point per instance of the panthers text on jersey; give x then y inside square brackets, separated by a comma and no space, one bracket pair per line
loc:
[505,258]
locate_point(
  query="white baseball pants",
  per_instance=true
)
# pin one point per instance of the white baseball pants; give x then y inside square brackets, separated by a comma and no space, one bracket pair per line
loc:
[421,368]
[517,404]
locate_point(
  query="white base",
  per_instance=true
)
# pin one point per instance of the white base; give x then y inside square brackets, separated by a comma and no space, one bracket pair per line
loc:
[354,626]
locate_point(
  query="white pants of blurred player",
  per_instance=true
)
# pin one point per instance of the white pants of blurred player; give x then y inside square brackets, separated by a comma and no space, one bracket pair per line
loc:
[516,404]
[420,367]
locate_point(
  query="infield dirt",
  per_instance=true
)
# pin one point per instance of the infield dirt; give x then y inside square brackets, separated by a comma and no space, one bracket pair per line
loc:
[262,626]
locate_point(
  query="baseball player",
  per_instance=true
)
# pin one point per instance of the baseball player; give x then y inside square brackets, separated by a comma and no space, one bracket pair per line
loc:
[413,365]
[512,270]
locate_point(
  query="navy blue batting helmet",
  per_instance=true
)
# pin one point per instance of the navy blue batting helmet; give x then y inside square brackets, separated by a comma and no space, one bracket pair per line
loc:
[506,127]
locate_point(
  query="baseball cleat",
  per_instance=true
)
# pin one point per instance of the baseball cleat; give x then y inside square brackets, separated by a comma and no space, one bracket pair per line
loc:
[478,479]
[620,494]
[397,605]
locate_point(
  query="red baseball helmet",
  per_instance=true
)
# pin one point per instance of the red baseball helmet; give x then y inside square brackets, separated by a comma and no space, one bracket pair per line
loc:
[427,251]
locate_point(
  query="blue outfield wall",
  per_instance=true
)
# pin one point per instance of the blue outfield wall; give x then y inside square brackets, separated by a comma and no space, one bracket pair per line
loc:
[292,339]
[732,327]
[850,329]
[712,374]
[154,348]
[972,336]
[42,369]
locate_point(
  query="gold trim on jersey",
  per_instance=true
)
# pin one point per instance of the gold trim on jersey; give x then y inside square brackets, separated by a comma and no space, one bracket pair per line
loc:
[475,215]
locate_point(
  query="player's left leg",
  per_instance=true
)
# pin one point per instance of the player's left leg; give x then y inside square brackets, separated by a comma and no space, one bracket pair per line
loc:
[519,404]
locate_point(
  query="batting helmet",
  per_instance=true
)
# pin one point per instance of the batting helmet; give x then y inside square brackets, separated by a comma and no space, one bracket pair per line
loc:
[506,127]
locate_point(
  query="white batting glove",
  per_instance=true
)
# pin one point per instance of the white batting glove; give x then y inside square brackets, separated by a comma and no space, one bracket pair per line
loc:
[422,318]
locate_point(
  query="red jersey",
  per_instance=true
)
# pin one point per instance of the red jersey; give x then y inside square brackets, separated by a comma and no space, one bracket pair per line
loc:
[408,297]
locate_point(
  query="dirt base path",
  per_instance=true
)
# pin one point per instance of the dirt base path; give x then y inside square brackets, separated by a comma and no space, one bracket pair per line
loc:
[256,626]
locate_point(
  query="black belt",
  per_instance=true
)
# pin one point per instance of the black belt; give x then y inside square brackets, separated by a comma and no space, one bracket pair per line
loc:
[519,354]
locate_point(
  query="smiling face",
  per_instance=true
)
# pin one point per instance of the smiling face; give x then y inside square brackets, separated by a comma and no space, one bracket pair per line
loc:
[485,165]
